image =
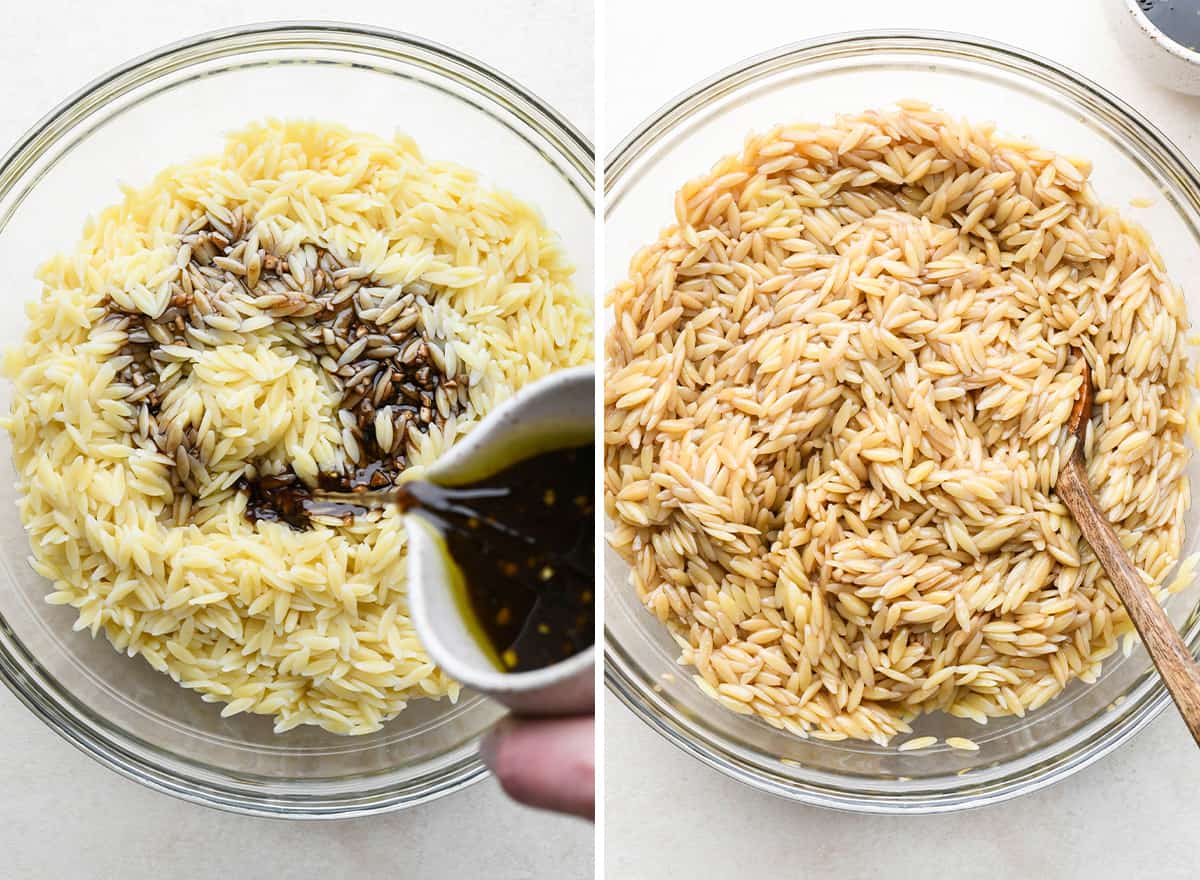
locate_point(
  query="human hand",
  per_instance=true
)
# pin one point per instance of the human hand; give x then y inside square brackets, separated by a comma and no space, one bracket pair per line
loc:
[545,762]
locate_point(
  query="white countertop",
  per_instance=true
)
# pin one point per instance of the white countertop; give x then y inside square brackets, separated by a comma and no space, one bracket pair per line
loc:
[61,814]
[1131,815]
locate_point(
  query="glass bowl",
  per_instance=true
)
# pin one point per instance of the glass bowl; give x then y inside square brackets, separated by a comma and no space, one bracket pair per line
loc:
[1024,95]
[163,108]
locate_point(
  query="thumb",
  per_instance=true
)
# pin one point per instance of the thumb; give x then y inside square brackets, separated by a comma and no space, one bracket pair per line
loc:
[547,763]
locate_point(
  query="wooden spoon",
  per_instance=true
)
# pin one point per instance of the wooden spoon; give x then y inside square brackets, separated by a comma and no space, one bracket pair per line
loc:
[1175,663]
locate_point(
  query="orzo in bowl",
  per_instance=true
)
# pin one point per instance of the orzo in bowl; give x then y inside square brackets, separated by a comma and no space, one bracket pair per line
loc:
[836,399]
[312,302]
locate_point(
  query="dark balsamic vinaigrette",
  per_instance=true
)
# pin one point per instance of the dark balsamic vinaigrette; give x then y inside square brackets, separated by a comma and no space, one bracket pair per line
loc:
[287,499]
[522,538]
[1178,19]
[524,542]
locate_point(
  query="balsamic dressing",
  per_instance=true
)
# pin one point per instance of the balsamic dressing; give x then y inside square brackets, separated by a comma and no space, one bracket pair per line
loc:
[287,499]
[523,540]
[1178,19]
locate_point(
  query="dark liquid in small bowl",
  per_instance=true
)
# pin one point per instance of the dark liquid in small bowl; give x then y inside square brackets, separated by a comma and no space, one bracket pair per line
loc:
[524,541]
[1177,19]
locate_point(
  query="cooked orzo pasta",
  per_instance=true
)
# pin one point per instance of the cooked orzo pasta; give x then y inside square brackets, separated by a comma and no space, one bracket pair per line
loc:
[836,398]
[312,301]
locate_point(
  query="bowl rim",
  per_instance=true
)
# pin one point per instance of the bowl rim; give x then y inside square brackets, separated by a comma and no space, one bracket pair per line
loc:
[1094,740]
[117,749]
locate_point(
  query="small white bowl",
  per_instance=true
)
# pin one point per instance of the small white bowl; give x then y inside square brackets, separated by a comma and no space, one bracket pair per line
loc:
[534,419]
[1166,62]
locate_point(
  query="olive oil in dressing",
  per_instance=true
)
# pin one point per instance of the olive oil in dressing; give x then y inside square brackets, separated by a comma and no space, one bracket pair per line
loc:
[523,540]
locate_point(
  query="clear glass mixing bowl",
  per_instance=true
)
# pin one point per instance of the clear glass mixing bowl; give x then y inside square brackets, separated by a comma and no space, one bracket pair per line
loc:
[1024,95]
[165,107]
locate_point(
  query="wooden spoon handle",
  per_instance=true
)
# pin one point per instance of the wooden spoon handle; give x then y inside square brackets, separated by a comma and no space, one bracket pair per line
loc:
[1175,663]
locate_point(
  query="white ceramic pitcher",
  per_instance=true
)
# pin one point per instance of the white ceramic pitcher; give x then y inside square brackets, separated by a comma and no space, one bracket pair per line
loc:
[556,411]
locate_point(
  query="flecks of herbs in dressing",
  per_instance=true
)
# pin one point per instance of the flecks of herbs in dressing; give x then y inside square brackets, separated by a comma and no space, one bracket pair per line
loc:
[1177,19]
[523,540]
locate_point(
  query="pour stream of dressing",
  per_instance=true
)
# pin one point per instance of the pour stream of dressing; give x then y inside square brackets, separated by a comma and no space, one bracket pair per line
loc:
[522,540]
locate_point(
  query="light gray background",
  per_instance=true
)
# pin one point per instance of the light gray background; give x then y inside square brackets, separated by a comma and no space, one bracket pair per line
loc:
[1133,814]
[62,815]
